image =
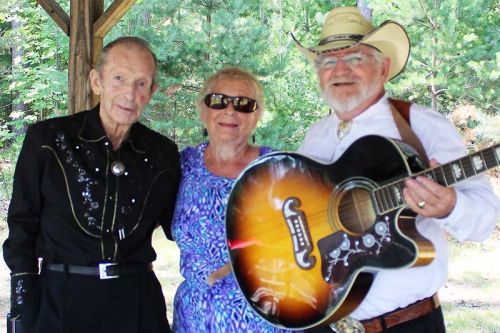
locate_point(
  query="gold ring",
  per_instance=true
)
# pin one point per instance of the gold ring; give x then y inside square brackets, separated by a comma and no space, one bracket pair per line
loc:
[421,204]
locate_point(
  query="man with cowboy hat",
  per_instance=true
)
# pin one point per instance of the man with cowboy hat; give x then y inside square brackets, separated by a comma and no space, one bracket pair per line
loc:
[354,60]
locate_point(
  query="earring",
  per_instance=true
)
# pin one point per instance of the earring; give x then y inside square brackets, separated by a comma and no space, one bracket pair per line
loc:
[204,132]
[253,138]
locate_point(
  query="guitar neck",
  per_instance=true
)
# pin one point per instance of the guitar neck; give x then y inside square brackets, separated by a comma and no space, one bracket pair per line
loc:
[390,196]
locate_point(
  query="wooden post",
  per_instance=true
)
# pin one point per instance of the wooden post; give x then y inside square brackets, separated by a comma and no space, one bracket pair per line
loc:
[81,44]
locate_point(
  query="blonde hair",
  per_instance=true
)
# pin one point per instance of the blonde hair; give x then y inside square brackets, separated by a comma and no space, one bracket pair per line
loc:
[233,73]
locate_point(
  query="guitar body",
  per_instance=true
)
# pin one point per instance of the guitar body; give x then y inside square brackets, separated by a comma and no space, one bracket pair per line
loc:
[305,238]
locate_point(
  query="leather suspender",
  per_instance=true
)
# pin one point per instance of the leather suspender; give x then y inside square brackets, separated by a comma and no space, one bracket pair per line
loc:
[401,114]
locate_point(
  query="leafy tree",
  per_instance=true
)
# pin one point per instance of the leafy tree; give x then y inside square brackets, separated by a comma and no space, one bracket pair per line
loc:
[454,63]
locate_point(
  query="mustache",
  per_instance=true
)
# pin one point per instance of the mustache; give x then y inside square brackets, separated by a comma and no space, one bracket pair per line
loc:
[343,79]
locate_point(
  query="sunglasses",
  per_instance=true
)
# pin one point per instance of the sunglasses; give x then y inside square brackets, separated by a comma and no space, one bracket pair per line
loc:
[221,101]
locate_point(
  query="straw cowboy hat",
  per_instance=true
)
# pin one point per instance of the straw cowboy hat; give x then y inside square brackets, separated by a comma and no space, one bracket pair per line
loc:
[346,27]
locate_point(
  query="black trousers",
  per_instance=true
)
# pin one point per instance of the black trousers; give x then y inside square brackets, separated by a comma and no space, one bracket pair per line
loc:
[70,303]
[431,323]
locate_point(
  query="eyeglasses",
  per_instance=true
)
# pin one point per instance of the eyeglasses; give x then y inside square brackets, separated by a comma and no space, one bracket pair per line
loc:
[221,101]
[353,60]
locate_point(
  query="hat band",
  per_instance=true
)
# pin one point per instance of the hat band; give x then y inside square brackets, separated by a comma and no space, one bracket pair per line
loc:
[335,38]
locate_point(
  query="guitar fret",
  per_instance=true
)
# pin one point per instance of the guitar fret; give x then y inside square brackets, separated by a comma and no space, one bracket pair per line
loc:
[467,164]
[389,195]
[398,193]
[429,174]
[379,201]
[448,174]
[491,157]
[440,177]
[383,200]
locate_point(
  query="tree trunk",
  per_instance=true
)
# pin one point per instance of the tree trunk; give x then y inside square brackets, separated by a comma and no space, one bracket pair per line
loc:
[434,63]
[365,9]
[17,52]
[209,21]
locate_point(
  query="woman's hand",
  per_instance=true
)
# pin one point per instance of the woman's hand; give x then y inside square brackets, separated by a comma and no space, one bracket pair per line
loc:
[218,274]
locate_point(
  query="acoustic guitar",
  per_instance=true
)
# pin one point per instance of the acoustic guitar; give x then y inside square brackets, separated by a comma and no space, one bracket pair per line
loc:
[305,238]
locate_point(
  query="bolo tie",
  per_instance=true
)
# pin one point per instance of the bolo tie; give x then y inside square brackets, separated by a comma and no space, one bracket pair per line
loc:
[117,166]
[343,128]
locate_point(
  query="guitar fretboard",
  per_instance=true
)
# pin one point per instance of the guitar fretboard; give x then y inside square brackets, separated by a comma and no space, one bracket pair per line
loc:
[390,196]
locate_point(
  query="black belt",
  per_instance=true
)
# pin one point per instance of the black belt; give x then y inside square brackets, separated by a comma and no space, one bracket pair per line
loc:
[109,270]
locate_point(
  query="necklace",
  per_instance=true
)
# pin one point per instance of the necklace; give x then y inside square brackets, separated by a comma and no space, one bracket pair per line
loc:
[343,128]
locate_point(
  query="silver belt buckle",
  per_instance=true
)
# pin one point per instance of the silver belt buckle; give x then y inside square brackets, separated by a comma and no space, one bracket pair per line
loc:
[347,325]
[103,273]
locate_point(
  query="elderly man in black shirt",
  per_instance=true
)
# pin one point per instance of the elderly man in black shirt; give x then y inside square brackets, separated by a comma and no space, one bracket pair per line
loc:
[89,189]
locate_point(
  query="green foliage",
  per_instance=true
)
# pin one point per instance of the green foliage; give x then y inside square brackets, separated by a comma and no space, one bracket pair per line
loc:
[455,52]
[454,62]
[36,80]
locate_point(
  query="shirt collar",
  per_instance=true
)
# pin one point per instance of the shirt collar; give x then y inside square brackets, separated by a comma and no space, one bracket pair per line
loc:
[92,131]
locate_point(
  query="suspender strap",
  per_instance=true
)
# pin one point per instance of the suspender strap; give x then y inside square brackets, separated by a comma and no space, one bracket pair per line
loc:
[402,120]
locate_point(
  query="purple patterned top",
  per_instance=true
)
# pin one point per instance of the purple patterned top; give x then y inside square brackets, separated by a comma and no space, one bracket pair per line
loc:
[199,230]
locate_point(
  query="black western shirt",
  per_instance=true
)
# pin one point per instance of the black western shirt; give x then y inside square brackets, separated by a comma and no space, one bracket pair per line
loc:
[67,205]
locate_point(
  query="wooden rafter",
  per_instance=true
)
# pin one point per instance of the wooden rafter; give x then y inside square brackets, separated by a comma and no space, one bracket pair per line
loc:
[112,15]
[57,13]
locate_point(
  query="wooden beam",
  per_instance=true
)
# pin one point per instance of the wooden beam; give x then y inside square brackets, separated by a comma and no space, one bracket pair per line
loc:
[83,15]
[57,13]
[112,15]
[97,45]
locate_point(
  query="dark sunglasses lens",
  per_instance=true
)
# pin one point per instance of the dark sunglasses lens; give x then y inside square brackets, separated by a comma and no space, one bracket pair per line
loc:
[216,101]
[244,104]
[240,104]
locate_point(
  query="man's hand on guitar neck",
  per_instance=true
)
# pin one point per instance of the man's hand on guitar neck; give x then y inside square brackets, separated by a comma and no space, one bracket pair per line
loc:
[427,198]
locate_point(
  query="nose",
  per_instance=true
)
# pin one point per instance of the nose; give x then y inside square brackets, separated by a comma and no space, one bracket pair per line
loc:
[229,108]
[130,92]
[341,66]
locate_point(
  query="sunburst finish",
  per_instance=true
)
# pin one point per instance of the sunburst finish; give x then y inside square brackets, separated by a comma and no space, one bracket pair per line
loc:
[304,238]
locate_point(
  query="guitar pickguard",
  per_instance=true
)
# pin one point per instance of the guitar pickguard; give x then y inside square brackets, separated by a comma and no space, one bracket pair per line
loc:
[340,250]
[299,232]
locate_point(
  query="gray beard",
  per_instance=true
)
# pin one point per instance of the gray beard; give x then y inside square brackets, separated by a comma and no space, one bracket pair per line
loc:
[368,91]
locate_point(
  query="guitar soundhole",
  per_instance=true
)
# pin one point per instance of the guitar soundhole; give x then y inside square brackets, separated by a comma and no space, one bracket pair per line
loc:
[356,212]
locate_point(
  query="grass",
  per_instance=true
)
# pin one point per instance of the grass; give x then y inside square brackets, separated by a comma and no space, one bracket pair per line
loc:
[470,298]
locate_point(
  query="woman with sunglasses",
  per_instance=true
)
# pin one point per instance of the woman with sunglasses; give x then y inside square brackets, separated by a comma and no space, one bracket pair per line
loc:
[209,300]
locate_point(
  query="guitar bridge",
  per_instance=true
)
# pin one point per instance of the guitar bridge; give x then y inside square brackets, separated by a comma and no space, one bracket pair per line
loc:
[299,232]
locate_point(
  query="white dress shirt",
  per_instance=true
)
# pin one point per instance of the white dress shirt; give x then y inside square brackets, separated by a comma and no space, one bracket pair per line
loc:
[473,217]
